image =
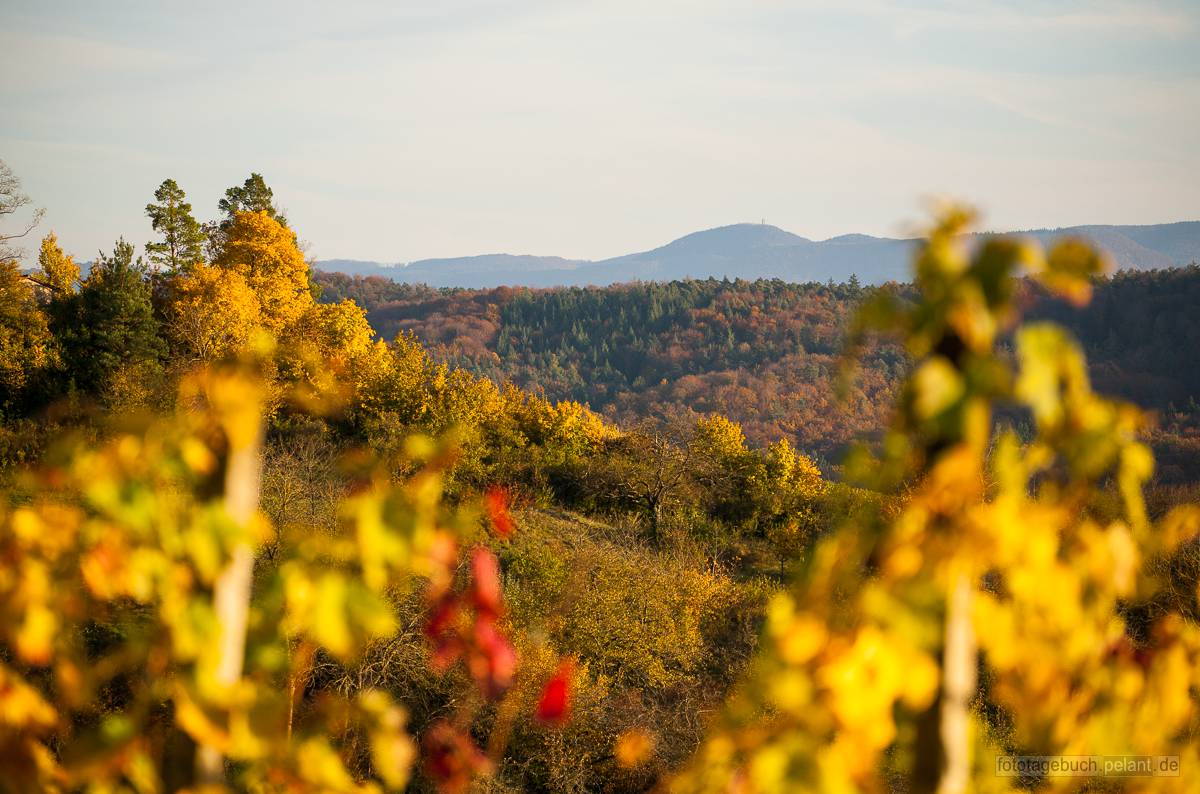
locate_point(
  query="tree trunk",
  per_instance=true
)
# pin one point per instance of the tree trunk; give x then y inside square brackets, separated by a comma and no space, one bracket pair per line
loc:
[231,595]
[655,515]
[958,688]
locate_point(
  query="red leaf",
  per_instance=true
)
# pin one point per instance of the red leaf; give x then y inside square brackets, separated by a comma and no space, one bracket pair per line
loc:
[486,595]
[442,630]
[443,559]
[554,707]
[451,758]
[495,502]
[494,662]
[441,618]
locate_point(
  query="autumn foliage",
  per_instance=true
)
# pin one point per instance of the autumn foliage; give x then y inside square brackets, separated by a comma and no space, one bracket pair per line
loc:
[295,556]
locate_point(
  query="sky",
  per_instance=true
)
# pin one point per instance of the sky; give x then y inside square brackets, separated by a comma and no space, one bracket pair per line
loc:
[396,131]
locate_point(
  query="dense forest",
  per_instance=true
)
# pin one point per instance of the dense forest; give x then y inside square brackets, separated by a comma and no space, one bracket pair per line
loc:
[767,354]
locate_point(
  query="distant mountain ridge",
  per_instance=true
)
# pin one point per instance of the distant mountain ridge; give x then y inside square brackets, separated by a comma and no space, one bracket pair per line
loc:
[750,251]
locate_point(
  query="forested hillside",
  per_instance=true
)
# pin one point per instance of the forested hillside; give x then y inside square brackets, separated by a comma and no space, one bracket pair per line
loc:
[767,353]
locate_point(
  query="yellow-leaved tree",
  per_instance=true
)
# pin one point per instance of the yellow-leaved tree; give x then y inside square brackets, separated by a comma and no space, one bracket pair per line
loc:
[566,427]
[332,348]
[721,440]
[264,252]
[56,270]
[26,345]
[998,611]
[787,488]
[212,313]
[259,282]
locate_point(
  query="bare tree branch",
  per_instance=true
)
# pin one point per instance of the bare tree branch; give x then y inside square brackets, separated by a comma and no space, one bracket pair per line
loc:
[12,200]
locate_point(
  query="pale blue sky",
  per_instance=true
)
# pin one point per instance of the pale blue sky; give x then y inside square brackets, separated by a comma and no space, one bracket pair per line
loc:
[397,131]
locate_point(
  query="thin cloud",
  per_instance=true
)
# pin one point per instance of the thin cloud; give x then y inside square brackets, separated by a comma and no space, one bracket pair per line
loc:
[1146,18]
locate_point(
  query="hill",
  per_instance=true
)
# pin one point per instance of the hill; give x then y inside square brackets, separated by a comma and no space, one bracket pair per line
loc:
[753,251]
[766,352]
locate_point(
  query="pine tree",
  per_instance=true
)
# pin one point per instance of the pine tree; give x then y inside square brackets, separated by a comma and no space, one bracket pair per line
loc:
[108,330]
[253,195]
[182,245]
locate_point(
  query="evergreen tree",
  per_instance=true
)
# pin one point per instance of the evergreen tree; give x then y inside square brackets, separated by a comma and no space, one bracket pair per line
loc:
[108,330]
[253,195]
[182,244]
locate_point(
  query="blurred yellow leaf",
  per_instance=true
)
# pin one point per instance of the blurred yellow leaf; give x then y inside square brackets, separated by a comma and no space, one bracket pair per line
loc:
[634,747]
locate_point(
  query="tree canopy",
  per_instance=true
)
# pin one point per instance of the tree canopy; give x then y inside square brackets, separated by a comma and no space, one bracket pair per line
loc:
[181,246]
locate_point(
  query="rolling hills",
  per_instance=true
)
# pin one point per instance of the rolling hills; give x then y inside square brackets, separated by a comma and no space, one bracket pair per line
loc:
[753,251]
